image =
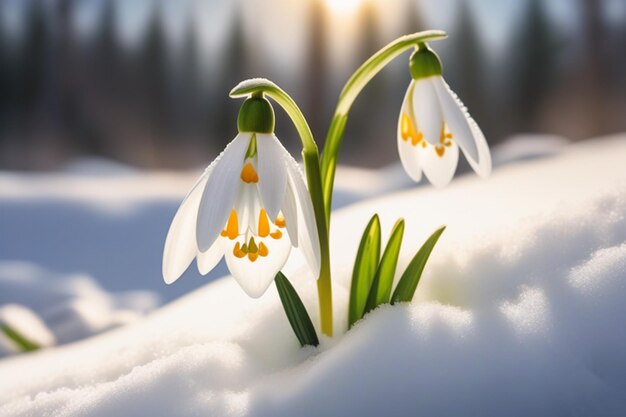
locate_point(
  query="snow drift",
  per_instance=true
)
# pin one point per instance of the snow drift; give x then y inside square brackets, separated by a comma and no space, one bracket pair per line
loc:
[520,312]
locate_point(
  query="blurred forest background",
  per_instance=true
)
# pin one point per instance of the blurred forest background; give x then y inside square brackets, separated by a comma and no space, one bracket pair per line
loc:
[145,82]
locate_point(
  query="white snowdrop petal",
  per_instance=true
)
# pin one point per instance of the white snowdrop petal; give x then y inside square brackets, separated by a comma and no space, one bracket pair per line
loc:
[255,277]
[180,243]
[272,172]
[220,191]
[457,119]
[483,167]
[410,160]
[439,169]
[426,109]
[290,212]
[308,238]
[206,261]
[408,153]
[244,205]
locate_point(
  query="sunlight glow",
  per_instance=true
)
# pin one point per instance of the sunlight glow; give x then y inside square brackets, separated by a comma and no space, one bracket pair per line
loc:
[343,6]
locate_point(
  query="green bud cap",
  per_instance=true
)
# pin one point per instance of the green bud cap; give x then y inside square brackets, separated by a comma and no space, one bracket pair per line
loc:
[424,63]
[256,115]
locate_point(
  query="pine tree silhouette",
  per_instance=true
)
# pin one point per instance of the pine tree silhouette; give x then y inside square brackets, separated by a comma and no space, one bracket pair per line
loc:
[190,85]
[372,103]
[533,65]
[107,49]
[31,68]
[154,72]
[5,80]
[236,66]
[316,72]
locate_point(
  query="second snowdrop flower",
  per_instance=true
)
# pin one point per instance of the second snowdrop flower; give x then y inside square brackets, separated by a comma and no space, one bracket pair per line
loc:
[251,206]
[434,124]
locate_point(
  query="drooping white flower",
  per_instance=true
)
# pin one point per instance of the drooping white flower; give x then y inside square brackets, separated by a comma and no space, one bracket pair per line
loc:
[251,206]
[434,124]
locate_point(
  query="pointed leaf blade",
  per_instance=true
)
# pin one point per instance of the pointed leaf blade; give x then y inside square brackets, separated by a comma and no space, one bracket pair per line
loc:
[296,312]
[22,343]
[380,290]
[364,269]
[410,278]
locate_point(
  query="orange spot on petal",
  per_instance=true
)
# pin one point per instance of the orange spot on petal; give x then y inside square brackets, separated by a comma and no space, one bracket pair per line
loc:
[232,227]
[264,224]
[263,250]
[253,256]
[237,251]
[280,220]
[248,174]
[277,234]
[440,151]
[407,130]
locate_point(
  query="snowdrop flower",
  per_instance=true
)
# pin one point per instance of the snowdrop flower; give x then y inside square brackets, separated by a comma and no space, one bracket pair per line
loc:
[251,206]
[434,124]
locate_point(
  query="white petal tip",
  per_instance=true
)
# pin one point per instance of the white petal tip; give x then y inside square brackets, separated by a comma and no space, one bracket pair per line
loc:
[253,292]
[170,279]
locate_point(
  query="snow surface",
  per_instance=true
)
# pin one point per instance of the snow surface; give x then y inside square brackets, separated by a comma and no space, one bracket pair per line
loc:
[72,307]
[520,312]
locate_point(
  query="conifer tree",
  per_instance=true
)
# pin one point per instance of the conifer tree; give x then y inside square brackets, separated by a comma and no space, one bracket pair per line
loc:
[316,72]
[31,69]
[154,79]
[236,66]
[533,65]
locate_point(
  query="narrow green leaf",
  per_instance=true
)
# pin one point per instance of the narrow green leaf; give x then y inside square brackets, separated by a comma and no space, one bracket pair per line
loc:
[411,276]
[23,344]
[296,312]
[364,269]
[380,290]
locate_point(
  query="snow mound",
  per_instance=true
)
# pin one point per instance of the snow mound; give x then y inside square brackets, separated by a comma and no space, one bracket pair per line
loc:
[520,312]
[72,307]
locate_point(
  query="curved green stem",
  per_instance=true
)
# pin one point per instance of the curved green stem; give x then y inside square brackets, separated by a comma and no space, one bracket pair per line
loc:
[311,159]
[351,90]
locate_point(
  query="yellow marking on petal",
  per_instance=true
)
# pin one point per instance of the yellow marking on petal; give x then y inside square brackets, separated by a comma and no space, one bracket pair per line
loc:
[238,252]
[417,139]
[248,174]
[264,224]
[263,250]
[407,130]
[280,220]
[277,234]
[232,227]
[440,151]
[443,135]
[253,256]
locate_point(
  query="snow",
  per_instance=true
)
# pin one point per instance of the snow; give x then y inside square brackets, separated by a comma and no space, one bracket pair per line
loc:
[74,306]
[519,311]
